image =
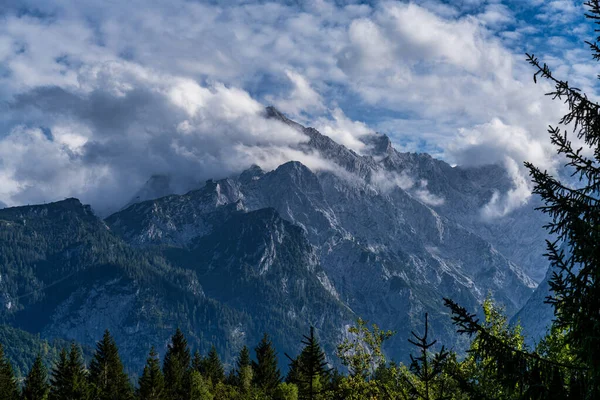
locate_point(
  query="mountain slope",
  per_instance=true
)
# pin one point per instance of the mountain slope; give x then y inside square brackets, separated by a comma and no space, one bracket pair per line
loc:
[387,256]
[66,275]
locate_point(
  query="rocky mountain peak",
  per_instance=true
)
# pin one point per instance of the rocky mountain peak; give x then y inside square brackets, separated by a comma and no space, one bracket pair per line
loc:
[251,174]
[295,170]
[273,113]
[378,145]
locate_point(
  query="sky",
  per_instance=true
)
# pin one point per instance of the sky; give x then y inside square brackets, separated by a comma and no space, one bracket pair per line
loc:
[96,96]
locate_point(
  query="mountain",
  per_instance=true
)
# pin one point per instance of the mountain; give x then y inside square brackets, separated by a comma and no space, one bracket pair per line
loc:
[66,275]
[382,235]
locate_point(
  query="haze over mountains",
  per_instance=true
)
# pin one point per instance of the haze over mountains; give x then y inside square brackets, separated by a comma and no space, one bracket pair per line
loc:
[381,235]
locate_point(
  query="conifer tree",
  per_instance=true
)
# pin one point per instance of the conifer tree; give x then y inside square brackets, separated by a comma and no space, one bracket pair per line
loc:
[213,367]
[243,369]
[198,362]
[69,377]
[309,370]
[575,213]
[427,367]
[266,372]
[151,383]
[176,367]
[107,376]
[8,385]
[36,385]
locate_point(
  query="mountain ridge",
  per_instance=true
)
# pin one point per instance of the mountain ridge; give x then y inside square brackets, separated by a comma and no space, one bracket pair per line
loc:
[382,235]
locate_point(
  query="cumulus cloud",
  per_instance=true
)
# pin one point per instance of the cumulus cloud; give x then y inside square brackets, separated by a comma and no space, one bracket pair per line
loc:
[499,143]
[112,95]
[493,141]
[344,130]
[302,97]
[503,203]
[127,123]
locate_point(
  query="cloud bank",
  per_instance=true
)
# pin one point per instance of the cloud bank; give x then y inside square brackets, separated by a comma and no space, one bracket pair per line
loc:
[98,98]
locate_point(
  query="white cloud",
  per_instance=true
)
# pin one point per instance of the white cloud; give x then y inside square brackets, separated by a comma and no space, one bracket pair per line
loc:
[301,99]
[386,181]
[157,124]
[389,180]
[502,204]
[426,196]
[344,130]
[160,86]
[492,142]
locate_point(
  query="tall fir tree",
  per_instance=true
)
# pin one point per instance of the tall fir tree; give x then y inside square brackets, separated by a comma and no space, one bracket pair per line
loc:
[176,367]
[243,370]
[69,377]
[575,213]
[151,383]
[309,371]
[243,360]
[107,376]
[266,372]
[428,368]
[213,367]
[198,362]
[36,386]
[8,384]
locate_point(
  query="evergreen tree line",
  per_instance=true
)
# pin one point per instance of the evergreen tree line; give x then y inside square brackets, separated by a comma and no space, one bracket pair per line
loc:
[186,376]
[183,375]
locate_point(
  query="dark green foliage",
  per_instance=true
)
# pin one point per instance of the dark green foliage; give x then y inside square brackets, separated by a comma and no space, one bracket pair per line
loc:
[499,365]
[198,362]
[22,348]
[69,377]
[8,383]
[266,372]
[309,371]
[213,368]
[432,376]
[243,370]
[176,367]
[575,213]
[36,386]
[243,360]
[107,377]
[151,383]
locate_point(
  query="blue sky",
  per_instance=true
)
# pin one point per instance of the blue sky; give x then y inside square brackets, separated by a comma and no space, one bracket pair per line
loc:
[98,95]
